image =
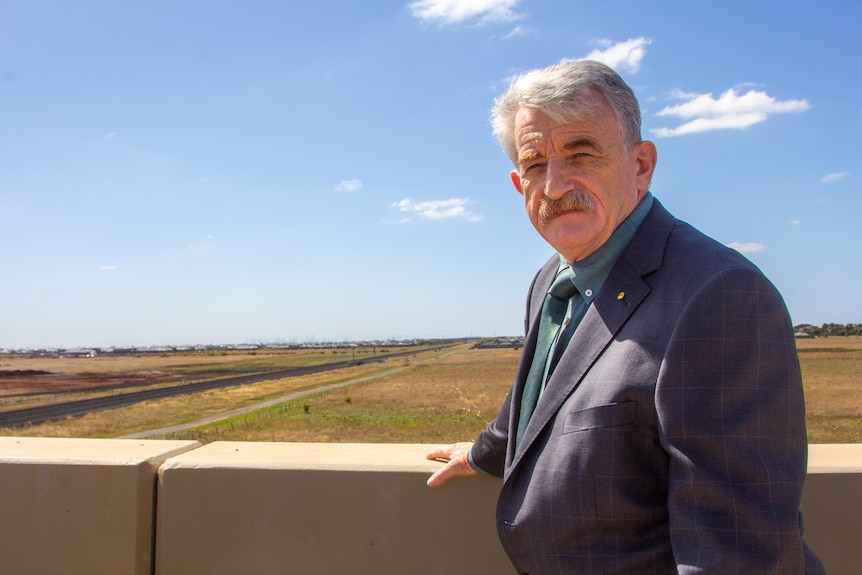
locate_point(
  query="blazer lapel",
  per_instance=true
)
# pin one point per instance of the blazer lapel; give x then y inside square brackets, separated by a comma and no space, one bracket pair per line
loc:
[603,320]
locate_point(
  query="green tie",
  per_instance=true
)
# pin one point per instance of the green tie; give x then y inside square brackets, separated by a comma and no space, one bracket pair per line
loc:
[553,312]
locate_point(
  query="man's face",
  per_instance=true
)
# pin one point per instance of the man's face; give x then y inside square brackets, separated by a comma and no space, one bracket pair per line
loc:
[579,179]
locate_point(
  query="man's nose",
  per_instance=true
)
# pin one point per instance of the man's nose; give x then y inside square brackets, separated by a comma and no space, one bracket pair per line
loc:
[558,180]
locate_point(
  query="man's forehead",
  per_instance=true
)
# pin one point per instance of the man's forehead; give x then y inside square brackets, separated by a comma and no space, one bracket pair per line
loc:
[531,133]
[534,127]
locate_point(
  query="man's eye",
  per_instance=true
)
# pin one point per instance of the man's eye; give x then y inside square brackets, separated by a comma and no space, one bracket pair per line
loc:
[533,167]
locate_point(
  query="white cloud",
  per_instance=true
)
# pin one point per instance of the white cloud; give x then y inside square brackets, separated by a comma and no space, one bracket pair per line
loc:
[622,56]
[747,247]
[457,11]
[108,136]
[438,209]
[834,177]
[517,31]
[349,186]
[794,222]
[107,268]
[730,111]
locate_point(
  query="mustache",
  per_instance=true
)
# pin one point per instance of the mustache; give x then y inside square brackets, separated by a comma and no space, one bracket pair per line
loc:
[574,201]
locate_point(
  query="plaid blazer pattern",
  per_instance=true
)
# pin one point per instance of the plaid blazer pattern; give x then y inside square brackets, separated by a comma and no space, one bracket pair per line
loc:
[671,435]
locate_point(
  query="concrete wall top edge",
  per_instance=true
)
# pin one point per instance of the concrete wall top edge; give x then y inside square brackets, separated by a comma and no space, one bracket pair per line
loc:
[822,458]
[835,458]
[86,451]
[387,457]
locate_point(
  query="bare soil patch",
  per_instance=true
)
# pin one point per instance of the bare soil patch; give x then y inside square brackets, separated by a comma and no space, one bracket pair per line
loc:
[37,382]
[39,375]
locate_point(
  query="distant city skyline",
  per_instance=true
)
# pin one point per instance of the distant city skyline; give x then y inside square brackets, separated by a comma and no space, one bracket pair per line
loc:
[247,346]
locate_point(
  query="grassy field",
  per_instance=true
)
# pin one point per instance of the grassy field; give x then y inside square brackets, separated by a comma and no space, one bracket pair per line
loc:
[444,398]
[438,396]
[186,363]
[832,376]
[32,381]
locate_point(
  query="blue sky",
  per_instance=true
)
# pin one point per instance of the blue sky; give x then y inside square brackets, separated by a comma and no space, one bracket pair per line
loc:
[224,172]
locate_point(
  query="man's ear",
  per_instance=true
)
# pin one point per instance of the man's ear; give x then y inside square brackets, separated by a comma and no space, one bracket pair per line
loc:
[516,181]
[646,158]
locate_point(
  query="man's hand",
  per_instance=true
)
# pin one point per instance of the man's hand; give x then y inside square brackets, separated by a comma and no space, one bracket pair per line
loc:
[457,463]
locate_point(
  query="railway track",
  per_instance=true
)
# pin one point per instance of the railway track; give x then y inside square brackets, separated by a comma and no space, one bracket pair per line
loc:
[78,408]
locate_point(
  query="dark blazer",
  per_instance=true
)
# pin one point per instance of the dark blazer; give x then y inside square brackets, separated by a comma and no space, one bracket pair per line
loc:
[671,435]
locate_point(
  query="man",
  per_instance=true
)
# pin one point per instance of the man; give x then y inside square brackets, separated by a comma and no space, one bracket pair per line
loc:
[668,435]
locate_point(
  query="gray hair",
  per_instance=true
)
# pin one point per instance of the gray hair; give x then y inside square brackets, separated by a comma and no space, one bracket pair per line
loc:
[565,92]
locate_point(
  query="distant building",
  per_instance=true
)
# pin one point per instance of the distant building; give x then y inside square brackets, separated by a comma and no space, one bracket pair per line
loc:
[80,352]
[502,342]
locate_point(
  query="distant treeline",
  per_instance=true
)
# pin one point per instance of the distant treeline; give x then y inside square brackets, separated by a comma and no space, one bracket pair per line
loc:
[828,329]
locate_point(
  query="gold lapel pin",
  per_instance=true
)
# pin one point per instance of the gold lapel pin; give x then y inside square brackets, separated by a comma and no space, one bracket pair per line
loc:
[621,295]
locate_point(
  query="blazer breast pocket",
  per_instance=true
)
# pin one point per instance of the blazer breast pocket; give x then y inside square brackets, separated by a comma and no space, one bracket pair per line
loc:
[611,415]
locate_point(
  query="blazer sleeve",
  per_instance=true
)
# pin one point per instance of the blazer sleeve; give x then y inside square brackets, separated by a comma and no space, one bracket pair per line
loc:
[489,451]
[731,415]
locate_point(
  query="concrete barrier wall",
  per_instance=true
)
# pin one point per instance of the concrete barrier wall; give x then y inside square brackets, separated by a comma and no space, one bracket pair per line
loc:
[832,506]
[81,506]
[239,508]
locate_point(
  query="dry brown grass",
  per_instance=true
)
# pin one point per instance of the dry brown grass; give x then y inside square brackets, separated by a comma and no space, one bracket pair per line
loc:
[183,362]
[832,375]
[443,399]
[443,396]
[53,379]
[177,410]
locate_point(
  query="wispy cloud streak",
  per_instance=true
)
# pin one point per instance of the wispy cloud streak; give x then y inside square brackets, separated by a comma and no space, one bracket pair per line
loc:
[438,209]
[747,247]
[730,111]
[834,177]
[457,11]
[349,185]
[622,56]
